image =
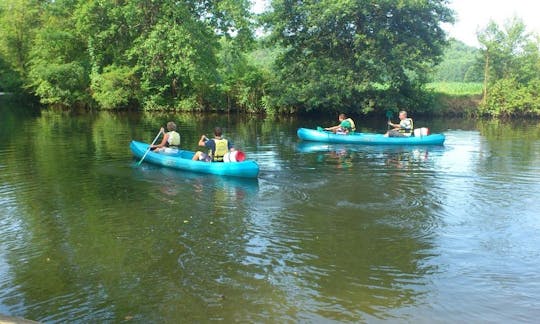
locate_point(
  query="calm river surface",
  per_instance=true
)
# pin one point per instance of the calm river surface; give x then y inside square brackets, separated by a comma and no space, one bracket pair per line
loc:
[328,233]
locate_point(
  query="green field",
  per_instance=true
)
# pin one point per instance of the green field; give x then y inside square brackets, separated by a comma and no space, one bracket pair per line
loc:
[456,88]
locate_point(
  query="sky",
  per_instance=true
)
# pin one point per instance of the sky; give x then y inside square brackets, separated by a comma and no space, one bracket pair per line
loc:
[473,15]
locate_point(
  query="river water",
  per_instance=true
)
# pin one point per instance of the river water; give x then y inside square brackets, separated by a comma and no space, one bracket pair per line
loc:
[328,233]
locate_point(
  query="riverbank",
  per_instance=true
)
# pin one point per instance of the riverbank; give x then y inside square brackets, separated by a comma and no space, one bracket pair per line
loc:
[455,98]
[442,100]
[456,105]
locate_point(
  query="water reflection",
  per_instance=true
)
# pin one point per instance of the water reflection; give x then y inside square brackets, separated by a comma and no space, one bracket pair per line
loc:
[394,156]
[225,192]
[327,233]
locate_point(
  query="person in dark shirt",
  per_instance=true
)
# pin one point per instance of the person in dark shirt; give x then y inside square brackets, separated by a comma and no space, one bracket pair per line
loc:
[217,147]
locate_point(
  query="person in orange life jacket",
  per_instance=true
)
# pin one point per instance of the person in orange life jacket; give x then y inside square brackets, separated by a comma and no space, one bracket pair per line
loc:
[170,142]
[218,147]
[403,129]
[346,125]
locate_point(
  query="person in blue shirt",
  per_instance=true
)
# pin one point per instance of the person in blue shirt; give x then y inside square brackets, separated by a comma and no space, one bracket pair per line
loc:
[217,147]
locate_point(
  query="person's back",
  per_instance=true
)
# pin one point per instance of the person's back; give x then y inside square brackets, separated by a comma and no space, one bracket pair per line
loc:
[173,139]
[170,142]
[217,146]
[348,125]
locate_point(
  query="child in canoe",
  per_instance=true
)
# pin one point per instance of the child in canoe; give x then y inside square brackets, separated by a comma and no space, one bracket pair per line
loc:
[346,125]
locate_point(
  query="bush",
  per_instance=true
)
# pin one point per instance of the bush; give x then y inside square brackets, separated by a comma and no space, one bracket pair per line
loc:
[116,87]
[60,84]
[507,97]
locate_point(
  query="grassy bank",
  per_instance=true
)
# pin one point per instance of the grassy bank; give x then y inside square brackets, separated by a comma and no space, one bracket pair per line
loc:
[456,88]
[456,98]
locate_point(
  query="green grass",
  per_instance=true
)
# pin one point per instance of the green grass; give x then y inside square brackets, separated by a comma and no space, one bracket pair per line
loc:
[456,88]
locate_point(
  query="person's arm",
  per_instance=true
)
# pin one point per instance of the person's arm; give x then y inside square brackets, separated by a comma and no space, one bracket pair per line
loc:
[203,140]
[396,126]
[332,128]
[163,141]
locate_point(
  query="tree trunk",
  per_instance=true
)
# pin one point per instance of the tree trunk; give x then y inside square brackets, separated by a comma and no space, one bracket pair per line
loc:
[486,78]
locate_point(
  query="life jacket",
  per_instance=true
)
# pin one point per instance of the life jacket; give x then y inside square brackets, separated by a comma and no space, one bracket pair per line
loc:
[406,131]
[174,139]
[222,147]
[353,126]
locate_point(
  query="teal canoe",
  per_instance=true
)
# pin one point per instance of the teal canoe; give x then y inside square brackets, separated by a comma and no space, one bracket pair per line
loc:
[368,138]
[182,161]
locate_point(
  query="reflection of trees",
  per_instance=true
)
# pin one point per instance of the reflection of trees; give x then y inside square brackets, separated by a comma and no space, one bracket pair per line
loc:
[97,245]
[513,143]
[102,240]
[344,155]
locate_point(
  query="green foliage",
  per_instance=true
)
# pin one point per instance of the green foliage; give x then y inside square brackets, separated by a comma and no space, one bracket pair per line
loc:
[58,67]
[115,87]
[511,59]
[161,54]
[10,80]
[508,98]
[243,78]
[456,88]
[459,64]
[60,84]
[335,52]
[18,25]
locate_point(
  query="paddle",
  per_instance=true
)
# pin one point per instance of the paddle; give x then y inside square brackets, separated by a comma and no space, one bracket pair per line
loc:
[149,147]
[388,116]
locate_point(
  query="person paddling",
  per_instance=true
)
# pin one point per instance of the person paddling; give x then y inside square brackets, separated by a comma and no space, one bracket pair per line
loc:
[346,125]
[403,129]
[218,147]
[170,142]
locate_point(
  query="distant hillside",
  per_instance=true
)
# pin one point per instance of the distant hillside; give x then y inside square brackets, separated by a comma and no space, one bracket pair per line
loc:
[460,64]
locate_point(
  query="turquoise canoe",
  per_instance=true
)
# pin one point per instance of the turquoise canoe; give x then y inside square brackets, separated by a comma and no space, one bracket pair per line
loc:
[368,138]
[182,161]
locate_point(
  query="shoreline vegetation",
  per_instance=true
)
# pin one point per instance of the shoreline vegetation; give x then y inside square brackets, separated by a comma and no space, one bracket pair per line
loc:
[360,58]
[451,99]
[456,98]
[446,103]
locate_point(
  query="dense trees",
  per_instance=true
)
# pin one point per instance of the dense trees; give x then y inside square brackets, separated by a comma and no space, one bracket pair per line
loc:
[511,62]
[316,55]
[459,64]
[197,54]
[341,54]
[112,54]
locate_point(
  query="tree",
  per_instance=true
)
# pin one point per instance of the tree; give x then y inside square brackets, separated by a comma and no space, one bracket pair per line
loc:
[511,59]
[59,63]
[19,21]
[167,48]
[459,64]
[339,53]
[242,82]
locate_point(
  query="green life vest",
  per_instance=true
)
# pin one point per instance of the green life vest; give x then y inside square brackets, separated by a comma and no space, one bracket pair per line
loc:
[353,126]
[222,147]
[174,139]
